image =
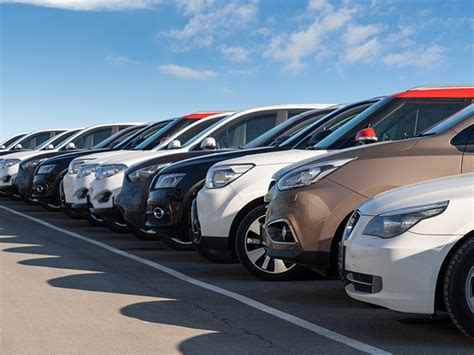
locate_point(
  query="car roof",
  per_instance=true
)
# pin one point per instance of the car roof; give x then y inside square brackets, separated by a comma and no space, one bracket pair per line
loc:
[459,91]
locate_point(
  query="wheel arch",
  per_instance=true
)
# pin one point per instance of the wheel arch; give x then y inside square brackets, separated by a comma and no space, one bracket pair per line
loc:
[335,243]
[439,300]
[239,217]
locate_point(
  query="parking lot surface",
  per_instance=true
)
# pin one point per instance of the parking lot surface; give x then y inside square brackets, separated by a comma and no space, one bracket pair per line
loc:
[67,287]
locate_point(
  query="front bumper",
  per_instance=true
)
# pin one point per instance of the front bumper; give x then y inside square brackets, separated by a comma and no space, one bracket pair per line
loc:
[398,273]
[131,201]
[312,214]
[102,193]
[7,176]
[80,189]
[43,187]
[24,181]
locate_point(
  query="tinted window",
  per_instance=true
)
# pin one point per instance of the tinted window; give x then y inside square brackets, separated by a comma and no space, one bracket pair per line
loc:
[452,121]
[244,129]
[90,139]
[12,140]
[61,138]
[394,119]
[191,132]
[118,137]
[171,128]
[37,140]
[141,136]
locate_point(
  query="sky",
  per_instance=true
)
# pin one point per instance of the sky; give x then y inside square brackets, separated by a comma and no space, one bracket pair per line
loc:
[74,63]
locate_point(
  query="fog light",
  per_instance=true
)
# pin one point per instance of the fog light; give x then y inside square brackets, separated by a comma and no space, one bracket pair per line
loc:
[158,213]
[81,193]
[103,197]
[39,189]
[6,178]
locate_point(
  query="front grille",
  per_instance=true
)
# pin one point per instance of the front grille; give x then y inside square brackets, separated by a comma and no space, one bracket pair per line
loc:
[365,283]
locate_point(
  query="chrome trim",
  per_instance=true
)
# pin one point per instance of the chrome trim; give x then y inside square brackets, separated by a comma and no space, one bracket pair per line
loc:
[291,229]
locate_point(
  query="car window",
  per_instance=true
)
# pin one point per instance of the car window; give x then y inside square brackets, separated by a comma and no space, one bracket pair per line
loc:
[61,138]
[118,138]
[37,140]
[141,136]
[190,133]
[394,119]
[8,142]
[171,128]
[244,129]
[92,138]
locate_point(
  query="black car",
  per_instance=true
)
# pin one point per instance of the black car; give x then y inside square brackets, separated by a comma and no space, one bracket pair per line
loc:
[49,173]
[173,227]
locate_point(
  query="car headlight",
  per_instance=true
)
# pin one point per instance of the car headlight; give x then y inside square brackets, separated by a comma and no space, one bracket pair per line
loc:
[222,175]
[391,224]
[145,173]
[74,166]
[168,180]
[7,163]
[31,164]
[105,171]
[45,169]
[309,174]
[86,170]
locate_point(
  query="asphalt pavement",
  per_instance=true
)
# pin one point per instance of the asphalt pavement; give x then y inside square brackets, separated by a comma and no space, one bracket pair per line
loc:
[68,287]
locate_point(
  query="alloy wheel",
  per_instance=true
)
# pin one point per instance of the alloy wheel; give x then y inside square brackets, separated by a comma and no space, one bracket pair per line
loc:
[470,289]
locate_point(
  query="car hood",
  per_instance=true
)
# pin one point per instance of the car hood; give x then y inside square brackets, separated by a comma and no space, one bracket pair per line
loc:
[98,158]
[457,187]
[131,158]
[24,155]
[275,158]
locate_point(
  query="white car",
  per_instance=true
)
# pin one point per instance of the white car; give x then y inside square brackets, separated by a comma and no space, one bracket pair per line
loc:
[229,133]
[11,141]
[411,250]
[81,172]
[32,141]
[68,141]
[230,209]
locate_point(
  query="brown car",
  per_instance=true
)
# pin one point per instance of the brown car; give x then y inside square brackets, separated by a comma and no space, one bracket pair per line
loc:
[311,201]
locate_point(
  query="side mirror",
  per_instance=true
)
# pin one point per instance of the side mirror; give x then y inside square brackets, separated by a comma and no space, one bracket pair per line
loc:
[18,147]
[2,147]
[70,146]
[209,143]
[49,147]
[366,135]
[176,144]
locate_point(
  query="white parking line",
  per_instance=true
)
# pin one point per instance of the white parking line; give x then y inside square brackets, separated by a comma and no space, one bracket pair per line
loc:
[235,296]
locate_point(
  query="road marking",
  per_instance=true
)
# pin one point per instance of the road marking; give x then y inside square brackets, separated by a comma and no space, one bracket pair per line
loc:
[233,295]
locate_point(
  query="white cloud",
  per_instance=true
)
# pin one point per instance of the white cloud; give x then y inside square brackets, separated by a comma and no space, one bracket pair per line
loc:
[319,5]
[363,53]
[293,48]
[209,20]
[120,60]
[186,72]
[89,5]
[236,54]
[422,57]
[356,34]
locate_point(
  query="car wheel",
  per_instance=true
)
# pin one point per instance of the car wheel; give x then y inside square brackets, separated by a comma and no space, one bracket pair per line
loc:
[116,225]
[217,256]
[71,213]
[94,220]
[143,234]
[177,244]
[14,196]
[252,252]
[31,201]
[458,287]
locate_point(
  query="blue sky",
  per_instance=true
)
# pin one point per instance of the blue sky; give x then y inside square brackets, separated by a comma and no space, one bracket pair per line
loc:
[74,63]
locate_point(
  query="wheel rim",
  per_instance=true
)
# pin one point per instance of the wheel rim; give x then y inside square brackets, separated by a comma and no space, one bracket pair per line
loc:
[470,289]
[256,251]
[95,218]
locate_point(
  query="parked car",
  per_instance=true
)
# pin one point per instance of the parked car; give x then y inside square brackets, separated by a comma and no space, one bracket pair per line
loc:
[9,164]
[311,202]
[230,208]
[132,200]
[10,141]
[411,249]
[32,140]
[82,139]
[231,132]
[168,210]
[24,179]
[82,171]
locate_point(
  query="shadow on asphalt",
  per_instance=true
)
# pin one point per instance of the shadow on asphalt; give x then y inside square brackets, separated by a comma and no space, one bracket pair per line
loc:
[190,306]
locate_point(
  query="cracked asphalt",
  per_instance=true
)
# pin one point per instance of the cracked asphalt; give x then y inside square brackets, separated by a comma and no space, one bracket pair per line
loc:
[64,295]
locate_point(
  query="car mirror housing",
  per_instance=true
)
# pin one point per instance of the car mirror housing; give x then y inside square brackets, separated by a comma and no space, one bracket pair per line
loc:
[18,147]
[2,147]
[70,146]
[175,144]
[209,143]
[49,147]
[366,135]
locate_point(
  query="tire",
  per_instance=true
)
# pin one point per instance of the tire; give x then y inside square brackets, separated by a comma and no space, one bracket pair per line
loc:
[217,256]
[177,244]
[252,252]
[31,201]
[116,225]
[143,234]
[14,196]
[458,287]
[51,207]
[94,220]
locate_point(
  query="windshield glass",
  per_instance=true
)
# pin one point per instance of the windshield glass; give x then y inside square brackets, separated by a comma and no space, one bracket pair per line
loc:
[450,121]
[164,133]
[118,137]
[287,129]
[12,140]
[141,136]
[35,140]
[393,119]
[58,139]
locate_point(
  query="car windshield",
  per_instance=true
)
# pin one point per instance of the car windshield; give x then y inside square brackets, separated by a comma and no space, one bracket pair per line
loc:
[394,119]
[58,139]
[287,129]
[118,137]
[449,122]
[12,140]
[164,133]
[37,139]
[140,136]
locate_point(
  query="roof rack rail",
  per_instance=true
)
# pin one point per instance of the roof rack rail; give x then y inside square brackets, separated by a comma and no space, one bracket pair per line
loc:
[435,87]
